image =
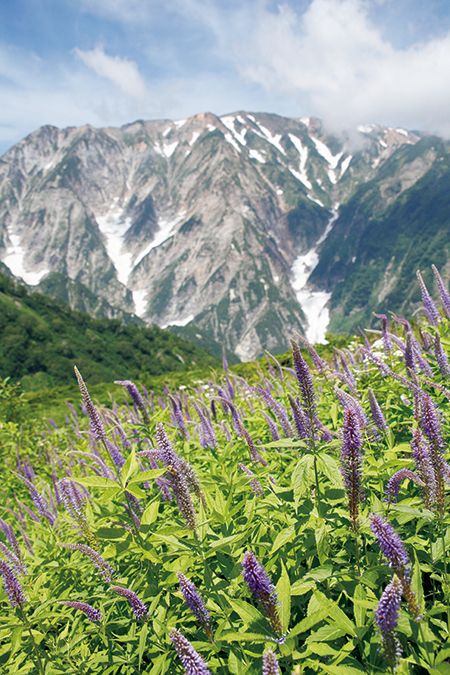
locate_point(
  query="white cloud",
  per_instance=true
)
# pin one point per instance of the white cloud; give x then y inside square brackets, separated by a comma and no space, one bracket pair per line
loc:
[336,64]
[121,72]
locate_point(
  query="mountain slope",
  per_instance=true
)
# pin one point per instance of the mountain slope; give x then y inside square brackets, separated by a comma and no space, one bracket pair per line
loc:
[42,339]
[223,228]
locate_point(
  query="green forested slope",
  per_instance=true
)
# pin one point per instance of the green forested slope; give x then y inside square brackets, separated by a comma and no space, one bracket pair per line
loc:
[40,340]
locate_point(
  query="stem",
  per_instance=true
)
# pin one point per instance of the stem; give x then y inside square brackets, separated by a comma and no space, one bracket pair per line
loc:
[27,625]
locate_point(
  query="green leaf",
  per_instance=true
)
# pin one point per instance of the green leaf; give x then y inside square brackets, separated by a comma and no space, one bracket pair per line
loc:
[329,466]
[359,605]
[246,611]
[99,482]
[284,596]
[150,514]
[416,583]
[131,465]
[243,637]
[308,622]
[142,643]
[285,443]
[302,476]
[146,475]
[288,534]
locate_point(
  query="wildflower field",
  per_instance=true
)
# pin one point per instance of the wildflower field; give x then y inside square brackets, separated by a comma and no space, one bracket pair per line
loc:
[295,521]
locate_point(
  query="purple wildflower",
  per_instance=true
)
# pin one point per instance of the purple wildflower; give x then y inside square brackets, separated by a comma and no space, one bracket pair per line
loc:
[136,396]
[302,423]
[386,339]
[105,569]
[10,536]
[140,610]
[428,302]
[441,357]
[193,663]
[178,415]
[255,455]
[386,617]
[195,602]
[394,550]
[305,381]
[166,453]
[424,466]
[409,355]
[377,414]
[351,463]
[272,427]
[92,614]
[391,546]
[262,588]
[97,428]
[270,664]
[394,482]
[430,421]
[116,456]
[12,586]
[39,501]
[278,410]
[13,560]
[254,482]
[444,295]
[348,401]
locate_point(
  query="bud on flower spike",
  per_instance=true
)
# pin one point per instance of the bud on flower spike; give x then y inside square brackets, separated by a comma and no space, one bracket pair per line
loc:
[262,588]
[92,614]
[386,617]
[194,601]
[12,586]
[270,664]
[140,610]
[351,463]
[105,569]
[428,303]
[193,663]
[445,297]
[96,424]
[136,396]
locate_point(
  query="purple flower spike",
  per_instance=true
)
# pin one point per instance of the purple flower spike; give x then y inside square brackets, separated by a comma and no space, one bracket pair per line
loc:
[10,536]
[444,295]
[428,303]
[105,569]
[254,482]
[140,610]
[195,602]
[304,380]
[92,614]
[15,562]
[12,586]
[441,357]
[377,414]
[351,463]
[180,488]
[391,546]
[270,664]
[386,617]
[394,482]
[424,465]
[430,421]
[136,396]
[97,428]
[262,588]
[193,663]
[39,501]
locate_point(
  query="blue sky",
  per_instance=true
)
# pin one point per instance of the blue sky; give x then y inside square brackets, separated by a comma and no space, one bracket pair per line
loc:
[107,62]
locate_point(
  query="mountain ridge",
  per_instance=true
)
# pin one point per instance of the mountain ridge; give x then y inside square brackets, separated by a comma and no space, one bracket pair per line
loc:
[213,225]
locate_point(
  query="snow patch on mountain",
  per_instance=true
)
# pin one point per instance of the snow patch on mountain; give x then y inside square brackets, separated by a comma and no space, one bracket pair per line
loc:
[255,154]
[14,260]
[113,225]
[303,152]
[165,231]
[179,322]
[313,303]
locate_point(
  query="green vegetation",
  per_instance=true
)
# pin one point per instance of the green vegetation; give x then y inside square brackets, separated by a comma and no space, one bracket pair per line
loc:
[278,465]
[42,340]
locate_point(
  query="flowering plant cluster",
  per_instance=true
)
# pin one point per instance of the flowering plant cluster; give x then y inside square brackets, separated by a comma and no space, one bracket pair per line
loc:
[289,516]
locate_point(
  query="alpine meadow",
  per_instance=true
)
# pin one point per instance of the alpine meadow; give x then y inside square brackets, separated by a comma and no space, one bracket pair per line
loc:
[286,516]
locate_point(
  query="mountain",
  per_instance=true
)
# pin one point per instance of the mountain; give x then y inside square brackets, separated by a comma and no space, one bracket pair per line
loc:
[234,230]
[42,339]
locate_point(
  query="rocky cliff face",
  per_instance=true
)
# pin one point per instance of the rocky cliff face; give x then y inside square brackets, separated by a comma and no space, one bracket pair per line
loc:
[237,230]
